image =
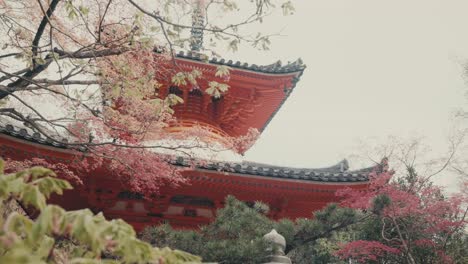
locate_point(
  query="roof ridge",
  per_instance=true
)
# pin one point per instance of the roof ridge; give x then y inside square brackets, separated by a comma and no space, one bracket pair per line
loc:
[259,169]
[330,174]
[276,67]
[341,166]
[29,134]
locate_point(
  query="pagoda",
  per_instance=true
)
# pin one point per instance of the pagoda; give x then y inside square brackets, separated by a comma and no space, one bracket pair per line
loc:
[256,93]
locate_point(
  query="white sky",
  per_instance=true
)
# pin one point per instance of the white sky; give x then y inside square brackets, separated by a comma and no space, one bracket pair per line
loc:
[374,68]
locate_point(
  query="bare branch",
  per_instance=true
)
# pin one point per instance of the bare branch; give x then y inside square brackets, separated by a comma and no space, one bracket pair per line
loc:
[91,53]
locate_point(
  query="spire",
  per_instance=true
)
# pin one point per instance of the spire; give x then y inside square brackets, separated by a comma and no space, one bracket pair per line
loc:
[198,20]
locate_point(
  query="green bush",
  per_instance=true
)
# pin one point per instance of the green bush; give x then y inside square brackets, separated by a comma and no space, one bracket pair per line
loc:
[59,236]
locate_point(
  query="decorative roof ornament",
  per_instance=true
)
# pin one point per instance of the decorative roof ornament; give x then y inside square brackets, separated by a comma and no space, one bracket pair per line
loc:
[198,21]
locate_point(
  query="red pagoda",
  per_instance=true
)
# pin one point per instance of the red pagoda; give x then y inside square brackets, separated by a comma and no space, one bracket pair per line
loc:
[256,93]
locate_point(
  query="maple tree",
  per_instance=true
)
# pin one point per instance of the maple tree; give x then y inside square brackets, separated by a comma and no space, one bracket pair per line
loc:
[395,220]
[234,237]
[236,234]
[410,220]
[91,237]
[86,74]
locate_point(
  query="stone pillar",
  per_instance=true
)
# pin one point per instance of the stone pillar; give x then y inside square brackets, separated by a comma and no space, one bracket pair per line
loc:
[278,244]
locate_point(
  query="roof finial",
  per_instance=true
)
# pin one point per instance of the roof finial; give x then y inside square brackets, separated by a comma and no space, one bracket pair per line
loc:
[198,20]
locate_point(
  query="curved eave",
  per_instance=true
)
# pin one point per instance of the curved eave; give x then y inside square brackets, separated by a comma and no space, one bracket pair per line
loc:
[281,173]
[319,181]
[332,175]
[294,82]
[252,75]
[35,137]
[275,68]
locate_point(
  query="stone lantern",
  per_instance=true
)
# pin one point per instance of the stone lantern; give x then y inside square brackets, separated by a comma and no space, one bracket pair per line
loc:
[278,244]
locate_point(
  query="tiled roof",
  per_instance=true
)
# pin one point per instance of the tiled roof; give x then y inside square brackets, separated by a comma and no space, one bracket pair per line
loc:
[275,68]
[297,66]
[30,135]
[336,173]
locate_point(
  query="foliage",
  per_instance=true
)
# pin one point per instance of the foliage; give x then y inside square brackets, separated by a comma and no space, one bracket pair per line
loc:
[216,89]
[315,240]
[236,235]
[95,239]
[92,71]
[59,168]
[409,220]
[366,251]
[393,221]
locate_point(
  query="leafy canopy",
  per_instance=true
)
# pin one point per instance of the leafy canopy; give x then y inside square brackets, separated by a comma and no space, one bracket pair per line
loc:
[95,239]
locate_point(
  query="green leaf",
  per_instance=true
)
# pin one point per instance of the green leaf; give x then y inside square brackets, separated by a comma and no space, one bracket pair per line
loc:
[210,90]
[32,196]
[70,9]
[91,261]
[19,224]
[45,247]
[222,70]
[196,73]
[233,45]
[222,87]
[172,34]
[40,61]
[288,8]
[173,99]
[155,29]
[50,185]
[229,5]
[179,79]
[29,241]
[42,225]
[15,186]
[84,10]
[20,254]
[39,172]
[216,89]
[191,79]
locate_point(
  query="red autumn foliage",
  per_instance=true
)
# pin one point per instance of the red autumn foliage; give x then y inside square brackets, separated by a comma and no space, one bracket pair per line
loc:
[415,215]
[363,251]
[138,169]
[61,169]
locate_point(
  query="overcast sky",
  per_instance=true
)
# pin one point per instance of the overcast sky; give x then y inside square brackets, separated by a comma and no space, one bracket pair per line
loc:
[374,68]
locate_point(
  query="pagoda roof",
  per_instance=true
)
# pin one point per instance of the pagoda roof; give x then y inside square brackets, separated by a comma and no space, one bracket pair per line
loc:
[338,173]
[258,91]
[274,68]
[30,135]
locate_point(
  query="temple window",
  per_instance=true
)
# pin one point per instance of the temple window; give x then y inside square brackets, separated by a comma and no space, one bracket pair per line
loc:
[190,212]
[196,92]
[175,90]
[192,200]
[126,195]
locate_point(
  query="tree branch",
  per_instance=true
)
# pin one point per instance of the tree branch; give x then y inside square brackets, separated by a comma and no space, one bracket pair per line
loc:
[36,69]
[91,54]
[67,82]
[40,30]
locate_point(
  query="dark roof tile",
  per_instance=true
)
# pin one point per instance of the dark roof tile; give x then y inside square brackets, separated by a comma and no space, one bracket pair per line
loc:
[276,67]
[336,173]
